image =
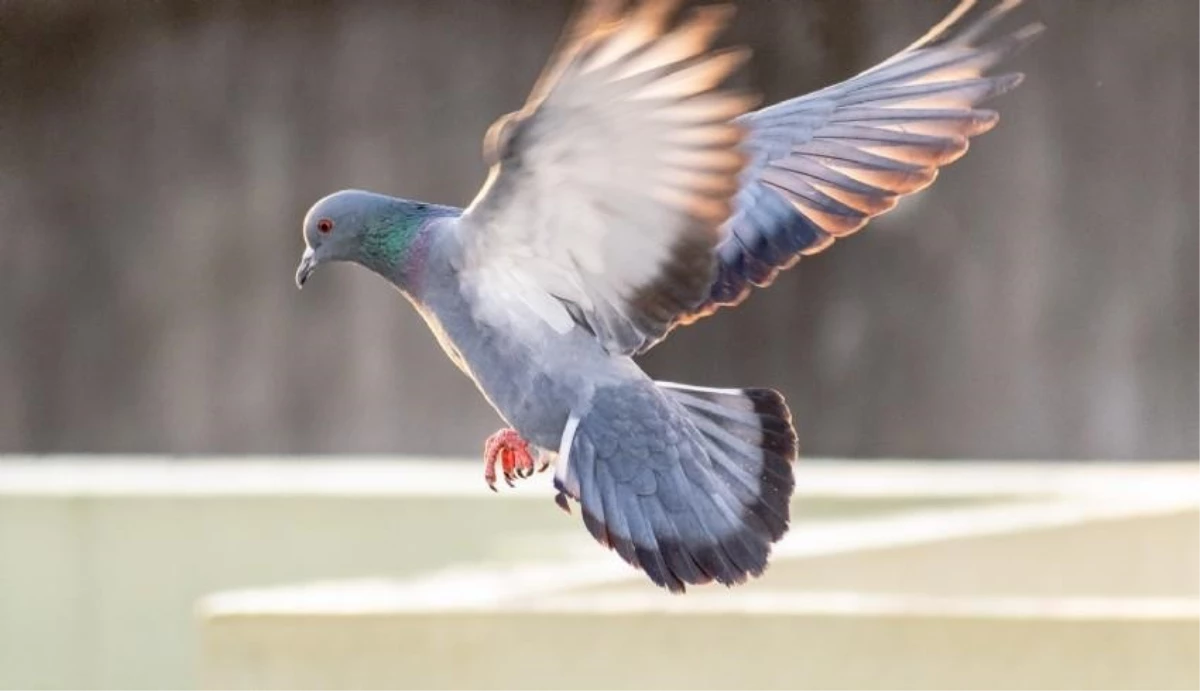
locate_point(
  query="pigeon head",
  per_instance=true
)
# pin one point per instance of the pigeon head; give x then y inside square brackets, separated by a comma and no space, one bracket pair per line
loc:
[374,230]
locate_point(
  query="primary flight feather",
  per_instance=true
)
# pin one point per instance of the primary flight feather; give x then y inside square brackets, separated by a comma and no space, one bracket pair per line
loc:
[633,193]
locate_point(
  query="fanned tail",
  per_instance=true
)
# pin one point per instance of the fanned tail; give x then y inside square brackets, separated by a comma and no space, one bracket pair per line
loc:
[689,484]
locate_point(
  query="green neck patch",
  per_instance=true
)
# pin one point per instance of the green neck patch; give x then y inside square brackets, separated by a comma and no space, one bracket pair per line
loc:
[386,241]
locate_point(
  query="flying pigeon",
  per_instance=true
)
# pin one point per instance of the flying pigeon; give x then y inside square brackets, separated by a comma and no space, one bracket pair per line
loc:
[634,193]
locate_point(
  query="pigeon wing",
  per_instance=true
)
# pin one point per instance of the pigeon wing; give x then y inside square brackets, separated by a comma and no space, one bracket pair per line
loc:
[825,163]
[609,188]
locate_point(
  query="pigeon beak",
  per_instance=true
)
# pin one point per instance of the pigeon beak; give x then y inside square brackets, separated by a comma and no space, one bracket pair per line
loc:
[308,262]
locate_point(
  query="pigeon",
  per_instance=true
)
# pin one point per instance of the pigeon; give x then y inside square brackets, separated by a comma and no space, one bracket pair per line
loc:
[635,192]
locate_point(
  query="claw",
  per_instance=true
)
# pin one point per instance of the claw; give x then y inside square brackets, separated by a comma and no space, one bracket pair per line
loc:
[514,457]
[561,500]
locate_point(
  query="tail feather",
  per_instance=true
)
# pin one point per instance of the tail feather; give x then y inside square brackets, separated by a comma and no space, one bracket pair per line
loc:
[689,484]
[750,437]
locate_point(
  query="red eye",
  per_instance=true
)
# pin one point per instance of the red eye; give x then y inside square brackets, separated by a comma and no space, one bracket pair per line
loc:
[324,225]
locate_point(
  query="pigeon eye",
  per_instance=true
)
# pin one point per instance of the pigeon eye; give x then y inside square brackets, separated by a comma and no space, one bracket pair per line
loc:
[324,225]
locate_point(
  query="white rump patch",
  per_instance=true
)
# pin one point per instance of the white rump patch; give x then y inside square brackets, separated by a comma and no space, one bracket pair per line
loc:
[562,464]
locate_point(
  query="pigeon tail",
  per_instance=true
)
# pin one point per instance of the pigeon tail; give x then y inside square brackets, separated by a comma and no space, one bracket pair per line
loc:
[689,484]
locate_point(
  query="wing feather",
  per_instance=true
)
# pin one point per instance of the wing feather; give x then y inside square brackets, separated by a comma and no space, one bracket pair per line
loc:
[608,190]
[828,162]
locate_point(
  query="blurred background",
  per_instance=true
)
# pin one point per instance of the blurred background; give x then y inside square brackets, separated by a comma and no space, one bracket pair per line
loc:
[156,159]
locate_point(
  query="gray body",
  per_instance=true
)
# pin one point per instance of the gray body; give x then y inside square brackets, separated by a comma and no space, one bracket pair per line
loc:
[653,482]
[534,378]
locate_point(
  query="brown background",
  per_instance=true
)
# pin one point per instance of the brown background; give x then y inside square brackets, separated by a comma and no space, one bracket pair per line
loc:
[156,159]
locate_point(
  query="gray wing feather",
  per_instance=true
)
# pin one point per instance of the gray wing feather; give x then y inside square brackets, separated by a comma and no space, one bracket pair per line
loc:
[608,189]
[825,163]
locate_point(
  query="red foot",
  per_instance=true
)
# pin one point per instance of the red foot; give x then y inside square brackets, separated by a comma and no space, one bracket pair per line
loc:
[513,453]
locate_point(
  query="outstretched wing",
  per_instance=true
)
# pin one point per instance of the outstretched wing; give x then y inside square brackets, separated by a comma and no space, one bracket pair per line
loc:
[826,163]
[608,190]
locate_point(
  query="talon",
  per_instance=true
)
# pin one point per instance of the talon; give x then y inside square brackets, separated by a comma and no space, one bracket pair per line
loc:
[511,452]
[489,470]
[561,500]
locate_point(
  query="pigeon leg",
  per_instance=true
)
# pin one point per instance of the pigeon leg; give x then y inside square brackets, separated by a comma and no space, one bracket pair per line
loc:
[507,447]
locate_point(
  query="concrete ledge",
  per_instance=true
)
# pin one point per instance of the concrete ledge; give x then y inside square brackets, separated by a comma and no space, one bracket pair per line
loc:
[341,476]
[819,641]
[1077,594]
